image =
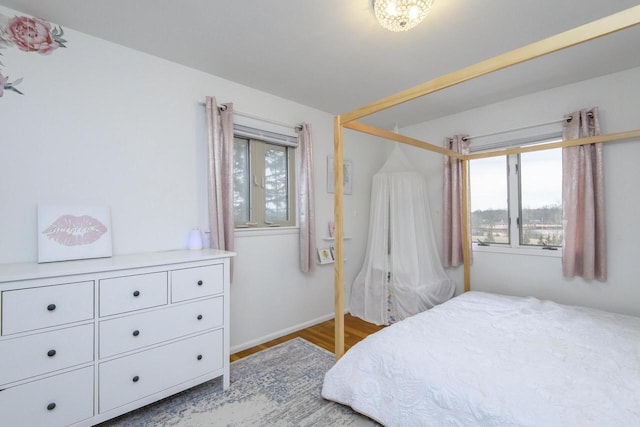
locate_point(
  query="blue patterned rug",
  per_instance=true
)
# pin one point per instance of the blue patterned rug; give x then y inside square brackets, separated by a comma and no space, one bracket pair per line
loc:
[279,386]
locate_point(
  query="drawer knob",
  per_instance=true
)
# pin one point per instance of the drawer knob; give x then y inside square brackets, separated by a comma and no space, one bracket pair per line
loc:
[199,316]
[51,406]
[51,307]
[136,293]
[135,379]
[199,357]
[136,333]
[200,282]
[51,353]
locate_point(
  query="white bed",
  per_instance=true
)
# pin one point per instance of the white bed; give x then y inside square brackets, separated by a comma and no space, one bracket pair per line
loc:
[491,360]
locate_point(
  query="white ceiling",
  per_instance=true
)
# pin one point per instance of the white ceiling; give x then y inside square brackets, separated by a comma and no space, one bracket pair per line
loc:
[332,54]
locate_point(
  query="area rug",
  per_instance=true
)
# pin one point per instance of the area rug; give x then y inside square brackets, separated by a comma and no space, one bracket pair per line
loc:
[279,386]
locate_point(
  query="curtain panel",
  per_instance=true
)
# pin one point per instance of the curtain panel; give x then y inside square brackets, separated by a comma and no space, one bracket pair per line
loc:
[306,197]
[220,174]
[452,196]
[583,200]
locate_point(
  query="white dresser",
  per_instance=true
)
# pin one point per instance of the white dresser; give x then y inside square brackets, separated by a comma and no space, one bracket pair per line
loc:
[85,341]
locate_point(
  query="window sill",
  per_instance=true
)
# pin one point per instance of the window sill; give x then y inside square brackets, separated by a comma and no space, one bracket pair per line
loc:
[518,251]
[265,231]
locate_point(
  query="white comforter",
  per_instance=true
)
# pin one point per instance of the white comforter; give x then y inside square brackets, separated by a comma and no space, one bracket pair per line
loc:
[488,360]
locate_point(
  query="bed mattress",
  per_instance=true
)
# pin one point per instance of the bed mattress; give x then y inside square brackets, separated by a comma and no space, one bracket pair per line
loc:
[489,360]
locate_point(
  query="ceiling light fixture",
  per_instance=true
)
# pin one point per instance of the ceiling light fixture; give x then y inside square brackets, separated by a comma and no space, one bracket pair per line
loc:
[401,15]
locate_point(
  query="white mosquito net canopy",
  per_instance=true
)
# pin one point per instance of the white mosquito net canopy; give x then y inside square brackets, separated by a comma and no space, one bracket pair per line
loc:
[402,273]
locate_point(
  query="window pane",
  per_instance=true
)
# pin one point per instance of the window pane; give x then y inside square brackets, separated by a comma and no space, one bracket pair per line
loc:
[276,189]
[241,181]
[541,198]
[489,200]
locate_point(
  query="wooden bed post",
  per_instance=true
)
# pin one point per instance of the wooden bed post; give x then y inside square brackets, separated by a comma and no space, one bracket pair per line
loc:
[339,235]
[466,225]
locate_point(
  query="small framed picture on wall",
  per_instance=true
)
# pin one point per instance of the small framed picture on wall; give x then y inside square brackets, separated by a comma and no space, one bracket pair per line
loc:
[347,175]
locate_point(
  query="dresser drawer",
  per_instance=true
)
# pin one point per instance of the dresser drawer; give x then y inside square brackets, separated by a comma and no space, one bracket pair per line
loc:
[197,282]
[51,402]
[35,308]
[140,330]
[37,354]
[133,377]
[130,293]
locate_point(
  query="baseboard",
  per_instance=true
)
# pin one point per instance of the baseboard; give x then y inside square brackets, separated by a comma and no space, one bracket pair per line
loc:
[278,334]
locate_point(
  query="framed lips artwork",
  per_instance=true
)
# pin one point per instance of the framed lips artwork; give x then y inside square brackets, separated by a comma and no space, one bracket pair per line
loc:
[73,232]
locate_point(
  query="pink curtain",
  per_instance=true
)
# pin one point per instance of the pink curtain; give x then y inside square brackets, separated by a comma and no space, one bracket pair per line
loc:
[306,209]
[452,196]
[220,184]
[584,251]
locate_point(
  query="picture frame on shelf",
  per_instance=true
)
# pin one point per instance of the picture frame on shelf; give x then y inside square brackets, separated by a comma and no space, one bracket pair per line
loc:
[325,255]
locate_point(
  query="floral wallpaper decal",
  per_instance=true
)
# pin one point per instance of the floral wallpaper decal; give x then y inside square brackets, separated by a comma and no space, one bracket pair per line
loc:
[28,35]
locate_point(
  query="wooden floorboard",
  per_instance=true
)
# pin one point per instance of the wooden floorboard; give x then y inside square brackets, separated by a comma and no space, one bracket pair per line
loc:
[322,335]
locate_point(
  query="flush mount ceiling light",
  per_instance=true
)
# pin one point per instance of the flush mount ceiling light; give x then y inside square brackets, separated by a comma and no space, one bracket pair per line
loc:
[401,15]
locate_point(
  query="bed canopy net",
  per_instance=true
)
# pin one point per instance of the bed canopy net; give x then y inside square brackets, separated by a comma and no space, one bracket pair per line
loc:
[402,274]
[593,30]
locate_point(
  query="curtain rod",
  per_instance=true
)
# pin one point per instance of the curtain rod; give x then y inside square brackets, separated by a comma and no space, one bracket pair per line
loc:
[251,116]
[566,118]
[466,138]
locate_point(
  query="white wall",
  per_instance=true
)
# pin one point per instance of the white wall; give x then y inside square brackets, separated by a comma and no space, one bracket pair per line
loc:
[100,124]
[617,97]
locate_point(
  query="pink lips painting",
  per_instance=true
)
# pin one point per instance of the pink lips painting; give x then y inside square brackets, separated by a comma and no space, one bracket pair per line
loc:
[73,232]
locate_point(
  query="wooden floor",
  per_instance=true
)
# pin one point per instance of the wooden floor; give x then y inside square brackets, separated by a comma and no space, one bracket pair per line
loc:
[322,334]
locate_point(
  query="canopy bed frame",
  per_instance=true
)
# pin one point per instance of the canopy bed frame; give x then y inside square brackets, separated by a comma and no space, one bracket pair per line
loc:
[596,29]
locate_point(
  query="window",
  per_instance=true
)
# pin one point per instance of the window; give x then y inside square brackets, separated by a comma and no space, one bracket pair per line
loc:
[516,200]
[263,183]
[541,198]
